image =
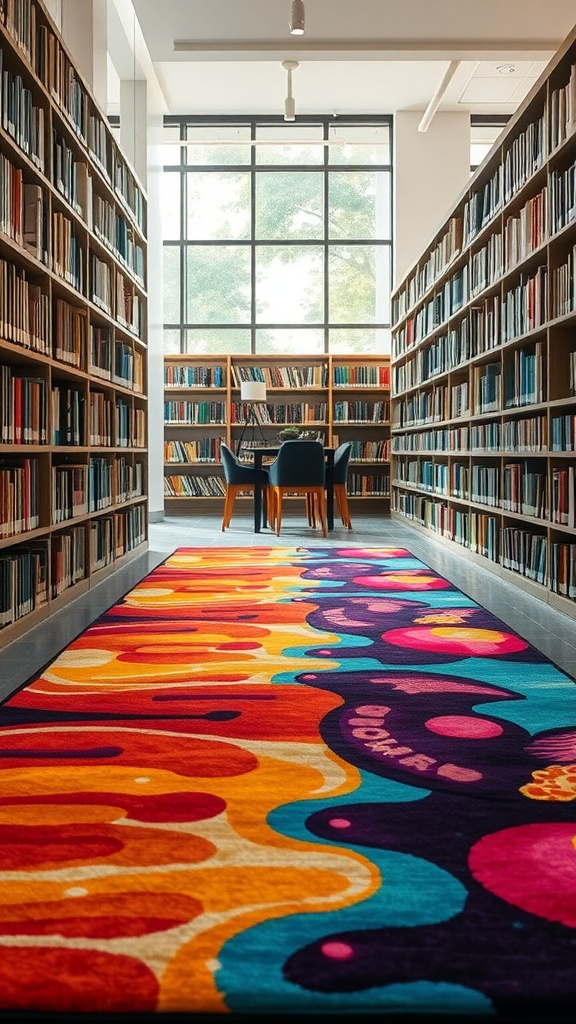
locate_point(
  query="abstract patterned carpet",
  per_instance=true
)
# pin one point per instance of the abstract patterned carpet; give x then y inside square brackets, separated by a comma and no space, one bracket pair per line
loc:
[291,781]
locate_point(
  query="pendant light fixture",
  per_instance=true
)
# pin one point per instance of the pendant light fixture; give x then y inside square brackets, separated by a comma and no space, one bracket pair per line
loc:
[297,18]
[289,104]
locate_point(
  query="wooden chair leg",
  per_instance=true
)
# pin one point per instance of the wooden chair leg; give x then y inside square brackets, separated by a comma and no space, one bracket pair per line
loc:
[320,499]
[229,499]
[271,507]
[277,509]
[342,501]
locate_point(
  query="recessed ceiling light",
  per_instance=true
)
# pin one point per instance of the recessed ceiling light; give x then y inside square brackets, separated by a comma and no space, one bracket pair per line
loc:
[505,69]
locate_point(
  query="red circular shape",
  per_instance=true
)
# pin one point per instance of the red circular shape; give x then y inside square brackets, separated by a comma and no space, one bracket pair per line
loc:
[461,640]
[533,867]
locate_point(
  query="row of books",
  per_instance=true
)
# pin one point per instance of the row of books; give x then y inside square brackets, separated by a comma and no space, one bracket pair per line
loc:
[563,111]
[563,496]
[22,119]
[188,486]
[361,412]
[22,407]
[563,433]
[51,65]
[69,492]
[113,482]
[524,377]
[525,553]
[205,449]
[525,306]
[562,197]
[313,376]
[19,496]
[486,264]
[482,206]
[182,413]
[522,551]
[187,376]
[114,231]
[563,286]
[563,570]
[280,414]
[70,175]
[115,423]
[524,155]
[514,488]
[525,232]
[24,309]
[22,209]
[365,485]
[23,582]
[111,536]
[361,376]
[367,451]
[68,559]
[517,435]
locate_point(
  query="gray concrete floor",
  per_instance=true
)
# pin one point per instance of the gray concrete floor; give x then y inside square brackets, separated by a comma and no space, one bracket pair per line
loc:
[549,630]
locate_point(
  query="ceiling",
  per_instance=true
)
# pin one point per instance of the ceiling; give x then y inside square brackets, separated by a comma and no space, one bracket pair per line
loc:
[356,56]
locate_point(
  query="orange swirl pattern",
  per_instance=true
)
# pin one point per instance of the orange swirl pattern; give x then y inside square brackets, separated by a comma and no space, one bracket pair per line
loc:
[132,808]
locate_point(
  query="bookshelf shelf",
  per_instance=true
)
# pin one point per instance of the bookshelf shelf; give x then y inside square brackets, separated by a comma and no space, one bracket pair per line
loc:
[302,390]
[484,356]
[73,459]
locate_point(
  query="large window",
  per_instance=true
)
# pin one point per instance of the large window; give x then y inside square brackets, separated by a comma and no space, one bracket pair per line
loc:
[277,237]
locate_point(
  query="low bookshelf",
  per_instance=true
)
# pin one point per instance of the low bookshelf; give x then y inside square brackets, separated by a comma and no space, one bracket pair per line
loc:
[333,398]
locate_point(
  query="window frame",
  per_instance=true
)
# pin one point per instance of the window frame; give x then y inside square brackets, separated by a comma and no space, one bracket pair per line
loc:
[325,168]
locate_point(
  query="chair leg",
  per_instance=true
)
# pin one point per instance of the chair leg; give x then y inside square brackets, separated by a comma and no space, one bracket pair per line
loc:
[320,503]
[341,496]
[229,499]
[271,508]
[277,509]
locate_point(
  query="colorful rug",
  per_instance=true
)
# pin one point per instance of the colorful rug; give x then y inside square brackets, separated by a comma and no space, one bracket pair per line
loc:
[291,781]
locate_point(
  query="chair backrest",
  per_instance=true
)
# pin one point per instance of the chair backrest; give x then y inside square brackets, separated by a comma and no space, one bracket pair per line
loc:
[235,472]
[299,464]
[341,462]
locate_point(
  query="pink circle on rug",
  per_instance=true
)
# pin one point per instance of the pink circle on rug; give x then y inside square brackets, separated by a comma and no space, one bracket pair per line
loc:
[337,950]
[339,823]
[533,867]
[410,579]
[464,727]
[462,640]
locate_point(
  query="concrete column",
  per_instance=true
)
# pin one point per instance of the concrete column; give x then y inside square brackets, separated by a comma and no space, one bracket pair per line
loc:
[431,170]
[155,323]
[134,125]
[84,28]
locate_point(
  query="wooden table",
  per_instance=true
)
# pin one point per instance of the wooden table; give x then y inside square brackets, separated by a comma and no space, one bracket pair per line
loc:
[260,512]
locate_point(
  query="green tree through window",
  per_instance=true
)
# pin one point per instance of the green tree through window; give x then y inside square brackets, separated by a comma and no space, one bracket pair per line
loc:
[292,254]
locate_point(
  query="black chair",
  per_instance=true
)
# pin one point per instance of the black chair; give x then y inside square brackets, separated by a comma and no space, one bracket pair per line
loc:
[239,478]
[299,468]
[339,481]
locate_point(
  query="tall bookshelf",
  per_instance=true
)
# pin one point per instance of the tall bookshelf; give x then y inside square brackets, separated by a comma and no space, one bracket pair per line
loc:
[73,458]
[484,356]
[334,398]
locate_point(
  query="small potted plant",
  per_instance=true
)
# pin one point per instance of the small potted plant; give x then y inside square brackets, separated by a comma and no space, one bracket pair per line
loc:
[288,434]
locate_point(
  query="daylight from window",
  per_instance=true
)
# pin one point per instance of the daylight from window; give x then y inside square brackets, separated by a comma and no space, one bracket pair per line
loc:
[277,239]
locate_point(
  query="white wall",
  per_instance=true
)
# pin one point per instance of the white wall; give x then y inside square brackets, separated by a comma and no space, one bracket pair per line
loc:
[431,169]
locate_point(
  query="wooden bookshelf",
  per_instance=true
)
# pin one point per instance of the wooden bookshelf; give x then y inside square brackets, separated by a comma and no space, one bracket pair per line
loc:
[73,405]
[484,356]
[336,398]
